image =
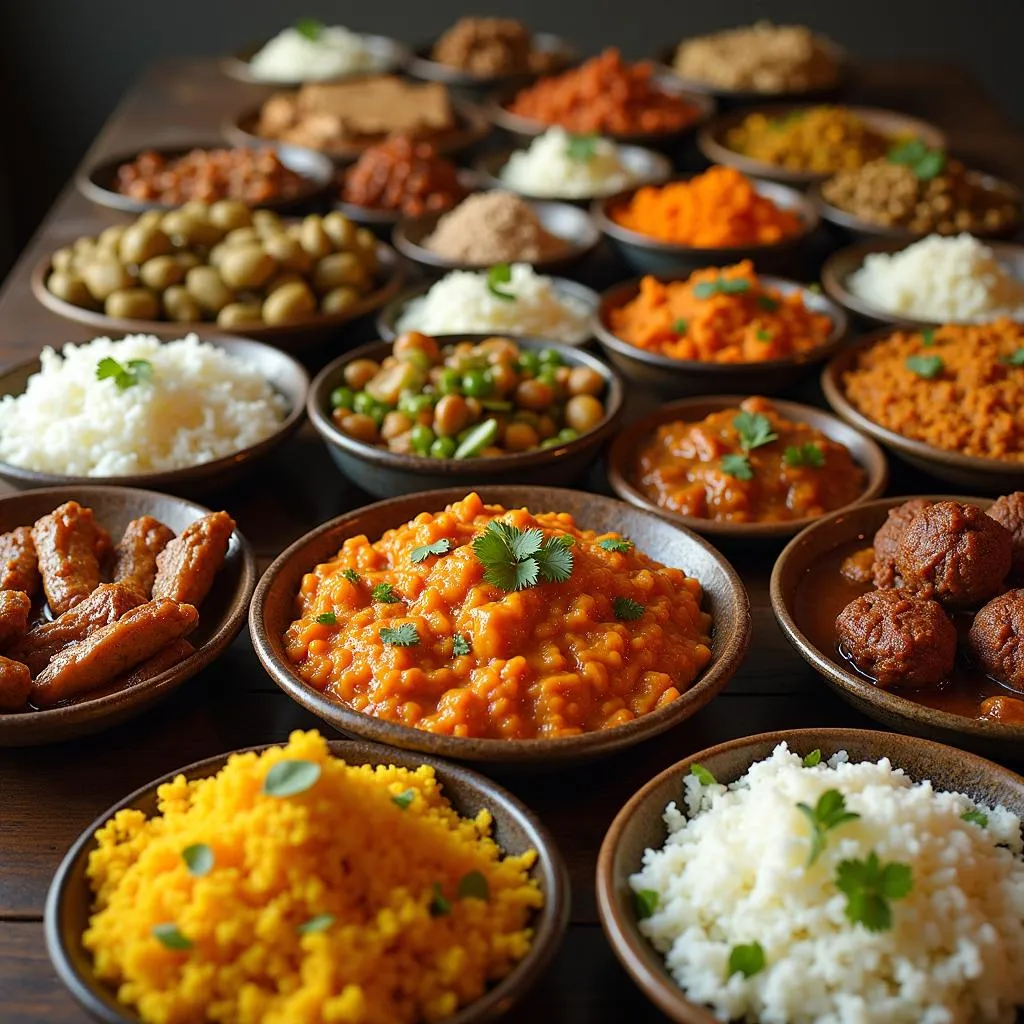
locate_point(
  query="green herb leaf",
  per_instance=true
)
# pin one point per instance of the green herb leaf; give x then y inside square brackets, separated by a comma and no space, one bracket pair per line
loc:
[930,166]
[320,923]
[460,646]
[763,335]
[705,289]
[812,759]
[622,545]
[515,559]
[198,859]
[405,635]
[737,466]
[925,366]
[169,936]
[1015,358]
[499,274]
[554,561]
[384,593]
[327,619]
[747,960]
[702,775]
[310,28]
[626,609]
[924,162]
[827,814]
[646,903]
[754,429]
[809,454]
[353,577]
[124,377]
[680,326]
[437,547]
[975,817]
[768,303]
[907,152]
[733,286]
[581,147]
[404,798]
[291,777]
[815,288]
[439,906]
[869,886]
[928,337]
[473,885]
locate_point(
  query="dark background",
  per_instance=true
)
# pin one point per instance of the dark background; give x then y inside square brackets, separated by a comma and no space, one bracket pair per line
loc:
[65,63]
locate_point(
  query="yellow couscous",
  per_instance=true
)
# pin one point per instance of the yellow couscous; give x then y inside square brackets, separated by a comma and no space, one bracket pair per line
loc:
[292,888]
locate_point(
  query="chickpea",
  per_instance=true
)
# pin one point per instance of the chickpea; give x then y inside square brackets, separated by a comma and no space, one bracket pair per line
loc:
[499,350]
[360,372]
[490,452]
[546,427]
[395,423]
[476,410]
[413,340]
[583,412]
[451,415]
[62,260]
[359,426]
[521,437]
[585,381]
[534,394]
[504,378]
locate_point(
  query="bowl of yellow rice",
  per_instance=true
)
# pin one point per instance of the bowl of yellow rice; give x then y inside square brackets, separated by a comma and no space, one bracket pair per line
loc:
[313,881]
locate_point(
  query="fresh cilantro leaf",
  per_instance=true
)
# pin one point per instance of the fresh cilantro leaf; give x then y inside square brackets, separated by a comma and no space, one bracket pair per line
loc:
[907,152]
[403,799]
[310,28]
[499,274]
[320,923]
[473,885]
[108,367]
[705,289]
[809,454]
[352,576]
[812,759]
[975,817]
[460,645]
[439,906]
[437,547]
[754,429]
[768,303]
[198,859]
[327,619]
[646,903]
[405,635]
[626,609]
[733,286]
[747,960]
[290,777]
[827,814]
[737,466]
[763,335]
[384,593]
[580,148]
[924,162]
[680,326]
[925,366]
[515,559]
[928,337]
[169,936]
[554,561]
[126,376]
[622,545]
[702,775]
[524,542]
[1015,358]
[930,166]
[869,886]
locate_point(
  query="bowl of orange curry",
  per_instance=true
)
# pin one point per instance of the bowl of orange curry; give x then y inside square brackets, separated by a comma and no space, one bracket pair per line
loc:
[741,468]
[521,626]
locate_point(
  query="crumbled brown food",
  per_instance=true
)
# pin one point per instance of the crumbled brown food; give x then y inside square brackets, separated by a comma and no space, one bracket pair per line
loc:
[173,654]
[135,555]
[187,566]
[67,541]
[859,566]
[997,638]
[19,567]
[490,47]
[15,685]
[1003,709]
[1008,511]
[15,606]
[887,539]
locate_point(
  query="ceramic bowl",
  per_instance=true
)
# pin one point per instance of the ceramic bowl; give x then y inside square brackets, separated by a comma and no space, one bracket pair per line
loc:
[988,476]
[515,829]
[647,255]
[563,220]
[282,372]
[711,139]
[674,378]
[624,455]
[639,826]
[385,474]
[999,739]
[221,616]
[724,597]
[581,295]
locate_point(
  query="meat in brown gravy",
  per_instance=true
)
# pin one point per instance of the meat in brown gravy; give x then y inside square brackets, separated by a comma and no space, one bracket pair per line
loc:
[15,684]
[136,553]
[19,567]
[69,545]
[187,566]
[174,653]
[15,607]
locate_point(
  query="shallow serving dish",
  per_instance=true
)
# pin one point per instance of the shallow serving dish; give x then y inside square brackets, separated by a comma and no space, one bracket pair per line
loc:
[625,450]
[989,476]
[639,826]
[384,473]
[647,255]
[679,377]
[221,616]
[724,597]
[515,829]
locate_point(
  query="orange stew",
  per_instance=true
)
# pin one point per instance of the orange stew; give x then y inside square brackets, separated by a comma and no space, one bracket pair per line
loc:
[416,635]
[747,465]
[720,316]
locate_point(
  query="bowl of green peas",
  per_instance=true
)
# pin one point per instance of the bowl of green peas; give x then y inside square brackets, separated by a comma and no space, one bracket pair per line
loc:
[423,412]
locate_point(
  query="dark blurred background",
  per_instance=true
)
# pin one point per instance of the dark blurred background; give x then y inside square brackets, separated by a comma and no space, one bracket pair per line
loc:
[65,63]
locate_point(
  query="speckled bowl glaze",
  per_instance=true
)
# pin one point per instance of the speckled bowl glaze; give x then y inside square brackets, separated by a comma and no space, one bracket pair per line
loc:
[639,826]
[724,597]
[515,829]
[221,615]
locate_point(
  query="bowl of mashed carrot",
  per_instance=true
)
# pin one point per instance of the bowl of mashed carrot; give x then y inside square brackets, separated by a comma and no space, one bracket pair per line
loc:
[226,891]
[725,329]
[522,626]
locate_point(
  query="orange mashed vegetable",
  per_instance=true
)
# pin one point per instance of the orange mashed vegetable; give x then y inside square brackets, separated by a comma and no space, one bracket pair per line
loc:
[545,662]
[679,320]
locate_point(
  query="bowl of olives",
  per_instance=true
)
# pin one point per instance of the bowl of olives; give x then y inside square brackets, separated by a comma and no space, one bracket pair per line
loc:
[222,268]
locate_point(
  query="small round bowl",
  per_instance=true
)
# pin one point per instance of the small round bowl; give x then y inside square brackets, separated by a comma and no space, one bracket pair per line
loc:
[273,607]
[515,829]
[563,220]
[289,337]
[675,378]
[999,739]
[987,476]
[639,826]
[389,56]
[284,375]
[711,140]
[624,454]
[645,165]
[389,316]
[221,616]
[99,183]
[837,269]
[385,474]
[647,255]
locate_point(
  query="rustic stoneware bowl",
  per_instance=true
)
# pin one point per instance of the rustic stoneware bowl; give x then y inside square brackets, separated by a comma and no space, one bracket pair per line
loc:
[647,255]
[673,378]
[515,830]
[623,458]
[724,597]
[282,372]
[639,826]
[385,474]
[1000,739]
[989,476]
[712,139]
[221,615]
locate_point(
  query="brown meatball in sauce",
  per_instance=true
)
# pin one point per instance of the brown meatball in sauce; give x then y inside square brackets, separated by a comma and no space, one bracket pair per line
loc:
[888,537]
[997,638]
[1002,709]
[1008,511]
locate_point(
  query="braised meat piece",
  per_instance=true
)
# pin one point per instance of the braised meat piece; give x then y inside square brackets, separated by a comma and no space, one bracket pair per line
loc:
[135,554]
[19,568]
[1008,511]
[186,568]
[176,651]
[15,685]
[859,567]
[997,638]
[69,545]
[888,537]
[1003,709]
[15,606]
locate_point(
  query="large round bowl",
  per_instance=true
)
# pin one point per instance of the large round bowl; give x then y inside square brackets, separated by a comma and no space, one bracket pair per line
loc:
[647,255]
[385,474]
[988,476]
[1000,739]
[639,826]
[623,458]
[285,376]
[221,616]
[673,378]
[515,830]
[724,597]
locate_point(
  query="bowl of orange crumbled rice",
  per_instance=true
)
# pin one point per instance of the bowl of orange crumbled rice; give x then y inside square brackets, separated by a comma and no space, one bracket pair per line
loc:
[308,882]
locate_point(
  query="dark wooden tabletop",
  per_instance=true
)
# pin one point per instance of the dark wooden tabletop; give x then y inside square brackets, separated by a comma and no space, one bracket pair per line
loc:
[49,794]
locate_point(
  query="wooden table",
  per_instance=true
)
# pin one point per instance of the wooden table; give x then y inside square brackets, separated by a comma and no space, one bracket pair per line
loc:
[48,795]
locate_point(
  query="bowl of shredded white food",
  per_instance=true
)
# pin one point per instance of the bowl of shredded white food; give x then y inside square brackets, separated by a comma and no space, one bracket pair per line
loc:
[822,876]
[184,415]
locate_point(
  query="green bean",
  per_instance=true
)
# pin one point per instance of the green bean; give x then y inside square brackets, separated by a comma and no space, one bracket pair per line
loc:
[477,439]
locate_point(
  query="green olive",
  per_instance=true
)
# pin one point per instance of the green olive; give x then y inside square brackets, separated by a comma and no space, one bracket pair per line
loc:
[62,259]
[266,222]
[246,266]
[337,269]
[314,239]
[161,272]
[67,285]
[133,304]
[103,274]
[340,230]
[339,300]
[110,238]
[289,303]
[141,242]
[241,236]
[288,252]
[229,214]
[240,314]
[204,284]
[179,305]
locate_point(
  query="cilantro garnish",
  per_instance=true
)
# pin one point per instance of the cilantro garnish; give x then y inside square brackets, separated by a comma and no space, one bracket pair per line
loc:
[384,593]
[473,885]
[812,759]
[403,799]
[581,147]
[439,906]
[646,903]
[170,937]
[763,335]
[702,775]
[737,466]
[928,337]
[320,923]
[754,429]
[460,645]
[198,859]
[869,886]
[924,162]
[124,376]
[1015,358]
[437,547]
[827,814]
[620,544]
[747,960]
[311,28]
[809,454]
[499,274]
[515,559]
[721,286]
[680,326]
[925,366]
[768,303]
[327,619]
[405,635]
[352,576]
[291,777]
[975,817]
[626,609]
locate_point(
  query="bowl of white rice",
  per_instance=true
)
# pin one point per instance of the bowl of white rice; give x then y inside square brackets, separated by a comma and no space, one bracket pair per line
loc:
[185,416]
[822,876]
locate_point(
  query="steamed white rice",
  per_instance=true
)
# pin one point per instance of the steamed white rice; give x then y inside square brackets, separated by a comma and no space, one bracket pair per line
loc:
[198,405]
[293,57]
[733,872]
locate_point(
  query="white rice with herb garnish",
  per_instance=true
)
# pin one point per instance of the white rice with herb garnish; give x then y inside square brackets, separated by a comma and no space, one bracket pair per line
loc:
[151,406]
[309,51]
[912,911]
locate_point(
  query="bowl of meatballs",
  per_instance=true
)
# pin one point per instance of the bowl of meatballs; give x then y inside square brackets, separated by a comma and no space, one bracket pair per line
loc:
[913,610]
